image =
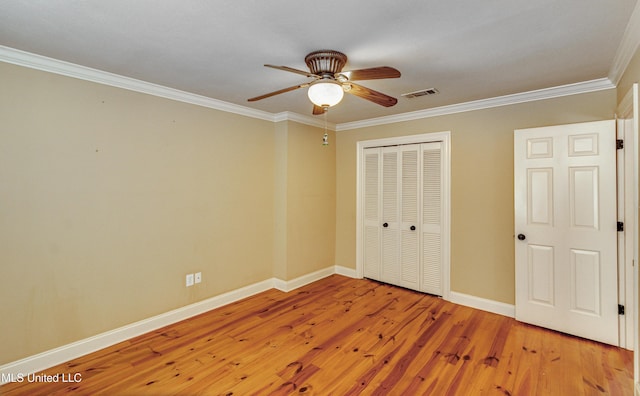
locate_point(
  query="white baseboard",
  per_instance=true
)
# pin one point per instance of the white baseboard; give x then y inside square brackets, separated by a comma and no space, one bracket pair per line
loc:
[53,357]
[637,389]
[287,286]
[483,304]
[344,271]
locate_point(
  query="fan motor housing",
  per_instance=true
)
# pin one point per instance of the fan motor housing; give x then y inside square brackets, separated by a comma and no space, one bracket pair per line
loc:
[325,62]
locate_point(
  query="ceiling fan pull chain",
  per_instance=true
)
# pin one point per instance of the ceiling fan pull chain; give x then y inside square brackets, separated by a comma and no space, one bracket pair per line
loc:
[325,137]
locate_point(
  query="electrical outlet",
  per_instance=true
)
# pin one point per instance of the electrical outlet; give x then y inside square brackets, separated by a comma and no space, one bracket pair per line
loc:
[189,280]
[198,278]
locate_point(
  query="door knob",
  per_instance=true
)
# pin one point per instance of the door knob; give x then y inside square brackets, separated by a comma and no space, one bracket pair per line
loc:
[413,228]
[385,225]
[521,237]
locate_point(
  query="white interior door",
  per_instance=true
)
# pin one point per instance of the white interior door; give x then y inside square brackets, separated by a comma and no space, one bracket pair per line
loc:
[566,225]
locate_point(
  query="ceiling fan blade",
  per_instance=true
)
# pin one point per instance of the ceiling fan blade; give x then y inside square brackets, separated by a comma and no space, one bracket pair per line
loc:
[277,92]
[370,94]
[292,70]
[373,73]
[317,110]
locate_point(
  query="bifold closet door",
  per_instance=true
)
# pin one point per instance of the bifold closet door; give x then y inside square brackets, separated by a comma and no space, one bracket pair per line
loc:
[409,219]
[403,216]
[390,232]
[432,218]
[399,216]
[393,206]
[372,224]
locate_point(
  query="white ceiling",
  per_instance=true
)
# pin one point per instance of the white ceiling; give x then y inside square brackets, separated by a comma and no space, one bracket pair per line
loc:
[467,49]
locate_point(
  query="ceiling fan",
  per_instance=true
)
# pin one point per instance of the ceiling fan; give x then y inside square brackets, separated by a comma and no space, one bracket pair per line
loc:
[330,82]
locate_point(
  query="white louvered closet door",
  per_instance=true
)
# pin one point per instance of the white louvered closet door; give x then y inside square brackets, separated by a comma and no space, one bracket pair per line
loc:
[432,218]
[372,176]
[409,216]
[390,216]
[403,216]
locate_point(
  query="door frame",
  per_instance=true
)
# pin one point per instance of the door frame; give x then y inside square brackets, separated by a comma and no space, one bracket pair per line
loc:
[628,129]
[445,138]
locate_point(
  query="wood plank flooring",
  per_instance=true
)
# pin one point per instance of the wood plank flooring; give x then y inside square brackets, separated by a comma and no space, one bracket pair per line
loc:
[342,336]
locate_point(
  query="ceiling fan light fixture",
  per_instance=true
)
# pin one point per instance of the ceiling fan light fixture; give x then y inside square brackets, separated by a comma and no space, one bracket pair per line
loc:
[330,82]
[325,93]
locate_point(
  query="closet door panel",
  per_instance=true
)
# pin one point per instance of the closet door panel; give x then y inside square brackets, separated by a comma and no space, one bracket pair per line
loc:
[390,216]
[432,195]
[410,221]
[372,213]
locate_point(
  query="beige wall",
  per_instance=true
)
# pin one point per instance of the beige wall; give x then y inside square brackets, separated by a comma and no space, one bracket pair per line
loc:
[311,200]
[108,198]
[482,220]
[306,200]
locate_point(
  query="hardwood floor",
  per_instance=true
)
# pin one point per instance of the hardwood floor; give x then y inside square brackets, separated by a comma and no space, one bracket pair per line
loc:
[342,336]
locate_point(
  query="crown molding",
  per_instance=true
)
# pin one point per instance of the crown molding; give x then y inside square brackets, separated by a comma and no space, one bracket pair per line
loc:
[530,96]
[627,48]
[39,62]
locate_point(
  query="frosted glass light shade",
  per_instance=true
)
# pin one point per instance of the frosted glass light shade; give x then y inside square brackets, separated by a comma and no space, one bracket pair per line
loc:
[325,94]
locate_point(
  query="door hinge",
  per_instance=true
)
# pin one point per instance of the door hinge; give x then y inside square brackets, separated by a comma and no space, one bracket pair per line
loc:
[619,144]
[620,309]
[620,226]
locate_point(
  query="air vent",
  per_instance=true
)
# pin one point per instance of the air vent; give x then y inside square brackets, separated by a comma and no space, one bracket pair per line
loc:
[424,92]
